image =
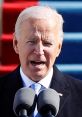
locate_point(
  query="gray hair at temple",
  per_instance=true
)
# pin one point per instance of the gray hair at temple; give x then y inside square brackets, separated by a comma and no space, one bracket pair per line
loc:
[40,12]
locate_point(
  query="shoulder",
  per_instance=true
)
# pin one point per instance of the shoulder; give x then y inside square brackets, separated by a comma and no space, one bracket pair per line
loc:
[75,83]
[75,86]
[14,72]
[5,79]
[65,79]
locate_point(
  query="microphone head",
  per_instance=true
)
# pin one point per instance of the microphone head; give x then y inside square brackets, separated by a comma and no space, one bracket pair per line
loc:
[48,101]
[25,98]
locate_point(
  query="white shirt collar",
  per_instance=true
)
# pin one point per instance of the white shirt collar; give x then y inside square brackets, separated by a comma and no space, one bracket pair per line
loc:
[45,81]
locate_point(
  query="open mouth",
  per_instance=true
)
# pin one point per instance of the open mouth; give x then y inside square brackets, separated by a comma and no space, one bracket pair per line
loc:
[37,62]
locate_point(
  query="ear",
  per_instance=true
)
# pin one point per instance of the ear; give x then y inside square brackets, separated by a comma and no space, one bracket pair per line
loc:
[59,48]
[15,44]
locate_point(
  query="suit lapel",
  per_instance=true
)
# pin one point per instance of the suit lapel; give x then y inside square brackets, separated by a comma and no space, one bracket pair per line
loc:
[11,83]
[15,79]
[59,83]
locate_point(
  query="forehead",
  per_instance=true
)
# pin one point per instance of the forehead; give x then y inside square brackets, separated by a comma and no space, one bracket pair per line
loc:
[40,25]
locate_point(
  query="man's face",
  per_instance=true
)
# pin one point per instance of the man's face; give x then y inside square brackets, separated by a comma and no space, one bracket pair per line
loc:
[38,46]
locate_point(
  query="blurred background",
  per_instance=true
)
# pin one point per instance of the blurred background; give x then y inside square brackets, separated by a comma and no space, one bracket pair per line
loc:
[70,60]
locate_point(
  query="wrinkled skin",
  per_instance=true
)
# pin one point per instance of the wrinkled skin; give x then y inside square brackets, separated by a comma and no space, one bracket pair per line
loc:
[38,46]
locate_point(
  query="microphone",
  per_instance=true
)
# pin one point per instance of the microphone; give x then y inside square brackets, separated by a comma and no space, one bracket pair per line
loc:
[24,102]
[48,103]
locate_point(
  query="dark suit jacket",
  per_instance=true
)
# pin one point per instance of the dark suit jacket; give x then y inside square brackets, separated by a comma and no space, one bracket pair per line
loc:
[70,102]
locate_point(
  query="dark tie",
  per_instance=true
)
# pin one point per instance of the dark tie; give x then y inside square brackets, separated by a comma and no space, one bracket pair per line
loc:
[37,87]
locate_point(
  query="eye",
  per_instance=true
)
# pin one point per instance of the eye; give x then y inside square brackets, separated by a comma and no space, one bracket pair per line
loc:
[47,43]
[31,42]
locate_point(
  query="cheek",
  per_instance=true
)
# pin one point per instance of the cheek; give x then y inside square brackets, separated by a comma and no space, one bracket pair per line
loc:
[50,56]
[23,54]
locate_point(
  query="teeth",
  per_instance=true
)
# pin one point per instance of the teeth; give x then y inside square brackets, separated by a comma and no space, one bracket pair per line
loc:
[34,62]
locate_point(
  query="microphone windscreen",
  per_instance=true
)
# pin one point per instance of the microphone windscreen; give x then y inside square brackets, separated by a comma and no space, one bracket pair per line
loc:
[48,101]
[25,98]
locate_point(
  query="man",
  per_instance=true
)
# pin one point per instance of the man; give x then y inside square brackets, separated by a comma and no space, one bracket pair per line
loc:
[38,40]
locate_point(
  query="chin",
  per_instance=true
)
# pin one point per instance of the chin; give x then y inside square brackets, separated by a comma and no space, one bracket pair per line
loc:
[38,77]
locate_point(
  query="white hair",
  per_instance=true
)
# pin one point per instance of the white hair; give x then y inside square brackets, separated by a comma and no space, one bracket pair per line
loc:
[39,12]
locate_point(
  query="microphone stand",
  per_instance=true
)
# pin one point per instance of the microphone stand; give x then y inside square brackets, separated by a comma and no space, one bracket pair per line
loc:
[24,116]
[23,113]
[49,114]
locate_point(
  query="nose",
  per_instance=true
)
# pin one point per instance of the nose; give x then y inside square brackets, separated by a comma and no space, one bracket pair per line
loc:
[39,49]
